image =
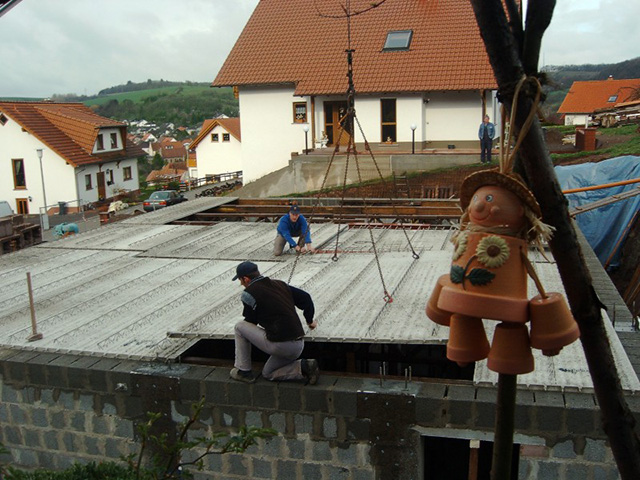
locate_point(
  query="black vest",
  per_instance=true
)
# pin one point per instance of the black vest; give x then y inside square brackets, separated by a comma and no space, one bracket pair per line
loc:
[275,310]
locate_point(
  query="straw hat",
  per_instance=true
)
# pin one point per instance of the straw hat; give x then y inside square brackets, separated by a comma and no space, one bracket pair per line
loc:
[512,182]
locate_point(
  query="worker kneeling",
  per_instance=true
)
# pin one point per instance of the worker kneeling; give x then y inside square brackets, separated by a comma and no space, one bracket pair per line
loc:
[271,323]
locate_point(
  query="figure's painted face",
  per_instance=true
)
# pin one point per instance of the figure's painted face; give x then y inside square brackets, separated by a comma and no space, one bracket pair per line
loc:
[493,206]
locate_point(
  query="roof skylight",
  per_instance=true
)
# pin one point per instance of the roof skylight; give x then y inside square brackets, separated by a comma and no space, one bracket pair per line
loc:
[398,40]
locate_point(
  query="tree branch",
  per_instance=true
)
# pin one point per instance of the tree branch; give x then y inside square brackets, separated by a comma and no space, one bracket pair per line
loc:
[618,422]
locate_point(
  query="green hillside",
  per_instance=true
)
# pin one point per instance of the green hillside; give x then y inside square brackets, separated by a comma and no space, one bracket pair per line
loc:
[185,104]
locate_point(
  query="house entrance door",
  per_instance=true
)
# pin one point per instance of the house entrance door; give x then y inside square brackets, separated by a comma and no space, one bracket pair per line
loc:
[101,187]
[334,118]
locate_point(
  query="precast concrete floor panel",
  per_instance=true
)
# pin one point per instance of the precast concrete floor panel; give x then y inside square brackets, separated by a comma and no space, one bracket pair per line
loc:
[119,236]
[143,289]
[178,212]
[566,371]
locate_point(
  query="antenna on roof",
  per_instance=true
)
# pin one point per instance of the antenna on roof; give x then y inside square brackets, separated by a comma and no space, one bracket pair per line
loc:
[347,123]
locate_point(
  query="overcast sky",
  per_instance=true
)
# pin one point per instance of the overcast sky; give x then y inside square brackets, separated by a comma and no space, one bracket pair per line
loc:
[82,46]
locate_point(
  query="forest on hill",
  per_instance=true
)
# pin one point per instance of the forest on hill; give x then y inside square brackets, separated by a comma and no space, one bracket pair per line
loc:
[162,101]
[190,103]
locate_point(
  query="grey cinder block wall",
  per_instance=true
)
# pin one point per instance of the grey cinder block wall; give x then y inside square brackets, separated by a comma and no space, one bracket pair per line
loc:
[59,409]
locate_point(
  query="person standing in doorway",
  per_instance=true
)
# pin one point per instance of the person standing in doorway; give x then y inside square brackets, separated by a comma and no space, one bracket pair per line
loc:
[271,324]
[486,134]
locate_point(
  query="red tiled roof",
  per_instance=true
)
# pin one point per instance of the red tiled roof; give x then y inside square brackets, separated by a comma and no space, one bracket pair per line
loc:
[69,129]
[231,125]
[587,97]
[288,41]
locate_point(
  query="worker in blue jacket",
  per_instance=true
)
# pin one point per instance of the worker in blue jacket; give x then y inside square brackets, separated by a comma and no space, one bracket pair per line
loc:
[293,224]
[486,134]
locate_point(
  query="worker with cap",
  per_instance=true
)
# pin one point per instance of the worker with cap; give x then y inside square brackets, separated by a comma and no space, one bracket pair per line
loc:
[293,224]
[271,324]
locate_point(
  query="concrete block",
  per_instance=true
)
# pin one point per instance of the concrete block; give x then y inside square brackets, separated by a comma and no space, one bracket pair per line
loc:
[287,469]
[485,415]
[100,425]
[68,442]
[563,450]
[311,471]
[584,401]
[595,451]
[524,417]
[237,464]
[315,400]
[347,455]
[329,427]
[460,412]
[66,400]
[278,422]
[92,446]
[265,395]
[580,422]
[275,447]
[12,435]
[289,397]
[86,403]
[303,424]
[549,399]
[32,437]
[214,463]
[50,439]
[239,393]
[253,418]
[577,471]
[461,392]
[123,428]
[261,468]
[321,452]
[77,421]
[10,394]
[548,470]
[4,413]
[335,472]
[17,414]
[296,449]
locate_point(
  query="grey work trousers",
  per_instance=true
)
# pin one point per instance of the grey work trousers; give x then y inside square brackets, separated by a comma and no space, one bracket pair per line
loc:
[280,242]
[283,364]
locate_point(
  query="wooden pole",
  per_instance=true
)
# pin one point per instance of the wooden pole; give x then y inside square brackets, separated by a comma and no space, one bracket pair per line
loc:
[34,328]
[503,439]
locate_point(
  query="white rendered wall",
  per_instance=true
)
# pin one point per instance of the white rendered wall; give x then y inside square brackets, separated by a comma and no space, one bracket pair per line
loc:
[270,135]
[576,119]
[119,183]
[452,116]
[409,111]
[14,144]
[219,157]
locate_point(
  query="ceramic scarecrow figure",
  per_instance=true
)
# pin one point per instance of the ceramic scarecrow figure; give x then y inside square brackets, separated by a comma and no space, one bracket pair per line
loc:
[488,280]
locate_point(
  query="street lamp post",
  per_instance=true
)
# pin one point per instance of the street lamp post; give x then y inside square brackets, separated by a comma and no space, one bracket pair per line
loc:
[45,217]
[306,139]
[413,138]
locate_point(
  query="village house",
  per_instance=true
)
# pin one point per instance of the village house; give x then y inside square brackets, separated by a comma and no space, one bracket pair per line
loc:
[585,98]
[420,71]
[62,156]
[218,148]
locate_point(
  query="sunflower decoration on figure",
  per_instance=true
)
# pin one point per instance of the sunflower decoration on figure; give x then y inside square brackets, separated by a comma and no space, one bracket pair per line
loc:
[488,279]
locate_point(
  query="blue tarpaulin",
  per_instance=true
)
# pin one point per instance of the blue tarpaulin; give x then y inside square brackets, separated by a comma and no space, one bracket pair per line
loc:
[606,227]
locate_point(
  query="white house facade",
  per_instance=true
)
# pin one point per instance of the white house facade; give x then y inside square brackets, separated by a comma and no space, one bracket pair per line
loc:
[218,148]
[421,76]
[62,156]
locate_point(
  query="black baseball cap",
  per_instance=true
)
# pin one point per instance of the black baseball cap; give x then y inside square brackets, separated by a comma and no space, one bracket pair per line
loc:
[244,269]
[295,209]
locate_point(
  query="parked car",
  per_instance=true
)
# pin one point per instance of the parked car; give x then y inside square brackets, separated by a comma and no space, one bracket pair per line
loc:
[161,199]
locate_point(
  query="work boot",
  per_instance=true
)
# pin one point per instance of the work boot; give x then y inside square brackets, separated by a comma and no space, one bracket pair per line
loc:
[311,371]
[245,376]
